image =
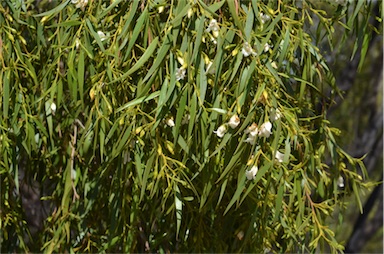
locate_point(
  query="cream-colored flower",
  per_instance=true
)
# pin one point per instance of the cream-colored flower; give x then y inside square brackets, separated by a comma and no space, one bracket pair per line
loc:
[274,65]
[102,35]
[221,131]
[265,130]
[80,3]
[234,121]
[248,50]
[169,121]
[264,17]
[267,47]
[253,132]
[180,73]
[279,156]
[213,26]
[340,182]
[53,108]
[251,174]
[275,114]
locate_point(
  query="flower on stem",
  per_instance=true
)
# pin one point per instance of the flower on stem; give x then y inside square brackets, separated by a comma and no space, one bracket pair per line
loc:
[265,130]
[252,131]
[251,173]
[221,131]
[248,50]
[80,3]
[275,114]
[213,26]
[264,17]
[234,121]
[279,156]
[180,73]
[53,108]
[102,35]
[267,47]
[169,121]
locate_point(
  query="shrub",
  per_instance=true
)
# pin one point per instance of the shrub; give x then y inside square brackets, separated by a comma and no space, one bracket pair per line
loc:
[189,126]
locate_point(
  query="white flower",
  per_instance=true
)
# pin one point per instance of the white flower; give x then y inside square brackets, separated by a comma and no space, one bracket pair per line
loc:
[251,174]
[251,139]
[267,47]
[77,43]
[274,65]
[264,17]
[248,50]
[102,35]
[180,73]
[279,156]
[213,26]
[275,114]
[234,121]
[80,3]
[252,131]
[265,129]
[340,182]
[53,108]
[221,131]
[170,122]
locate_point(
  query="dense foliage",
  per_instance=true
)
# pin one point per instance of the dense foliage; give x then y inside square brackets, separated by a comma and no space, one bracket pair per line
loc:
[188,126]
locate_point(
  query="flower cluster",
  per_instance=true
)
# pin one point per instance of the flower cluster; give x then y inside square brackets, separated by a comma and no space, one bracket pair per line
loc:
[214,27]
[80,3]
[275,114]
[264,17]
[248,50]
[234,121]
[265,130]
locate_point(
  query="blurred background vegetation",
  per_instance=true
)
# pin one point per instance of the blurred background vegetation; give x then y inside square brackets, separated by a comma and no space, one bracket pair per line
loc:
[191,126]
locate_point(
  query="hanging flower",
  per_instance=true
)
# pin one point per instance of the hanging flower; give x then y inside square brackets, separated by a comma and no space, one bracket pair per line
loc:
[180,73]
[213,26]
[264,17]
[340,182]
[169,121]
[80,3]
[251,174]
[53,108]
[265,130]
[252,131]
[248,50]
[221,131]
[279,156]
[267,47]
[275,114]
[102,35]
[234,121]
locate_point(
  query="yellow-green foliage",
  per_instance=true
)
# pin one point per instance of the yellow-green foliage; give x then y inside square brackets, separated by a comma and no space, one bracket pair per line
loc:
[122,111]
